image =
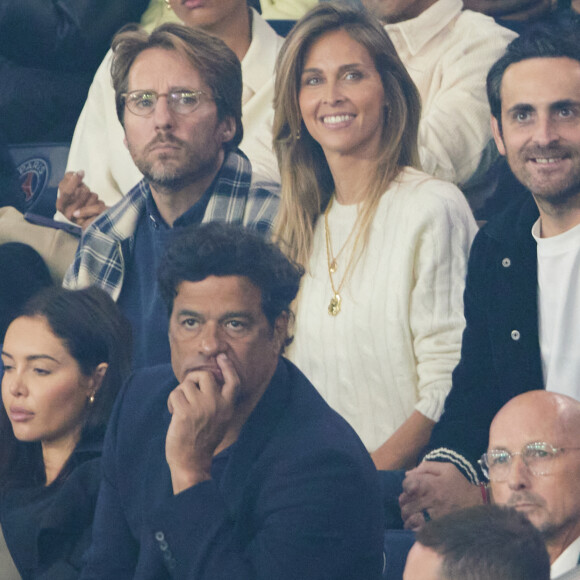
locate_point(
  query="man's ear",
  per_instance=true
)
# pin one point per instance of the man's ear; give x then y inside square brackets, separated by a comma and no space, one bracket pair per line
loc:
[497,135]
[228,129]
[281,331]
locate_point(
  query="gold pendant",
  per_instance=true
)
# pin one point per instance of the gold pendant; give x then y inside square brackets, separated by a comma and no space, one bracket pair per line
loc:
[334,306]
[333,266]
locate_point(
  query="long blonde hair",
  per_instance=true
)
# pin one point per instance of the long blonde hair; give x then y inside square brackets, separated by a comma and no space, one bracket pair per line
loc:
[307,184]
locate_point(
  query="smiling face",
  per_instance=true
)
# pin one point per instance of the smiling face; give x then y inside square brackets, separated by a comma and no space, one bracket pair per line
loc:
[341,97]
[173,150]
[224,315]
[552,501]
[540,133]
[44,392]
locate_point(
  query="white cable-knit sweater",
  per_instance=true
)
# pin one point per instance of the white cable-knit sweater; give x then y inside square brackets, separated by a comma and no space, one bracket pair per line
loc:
[397,339]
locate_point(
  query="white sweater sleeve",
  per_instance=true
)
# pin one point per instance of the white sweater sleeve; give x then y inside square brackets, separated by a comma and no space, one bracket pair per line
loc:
[436,304]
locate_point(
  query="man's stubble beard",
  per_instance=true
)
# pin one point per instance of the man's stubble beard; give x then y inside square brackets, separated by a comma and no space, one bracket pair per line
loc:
[166,174]
[166,178]
[554,532]
[556,194]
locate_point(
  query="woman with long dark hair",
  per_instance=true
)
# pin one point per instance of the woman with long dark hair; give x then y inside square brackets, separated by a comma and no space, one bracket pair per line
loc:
[64,357]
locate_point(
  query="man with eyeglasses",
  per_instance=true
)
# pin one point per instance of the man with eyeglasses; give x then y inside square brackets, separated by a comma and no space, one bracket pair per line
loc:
[97,146]
[533,464]
[178,95]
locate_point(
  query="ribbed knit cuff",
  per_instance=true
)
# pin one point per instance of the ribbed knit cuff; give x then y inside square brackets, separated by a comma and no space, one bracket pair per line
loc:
[443,454]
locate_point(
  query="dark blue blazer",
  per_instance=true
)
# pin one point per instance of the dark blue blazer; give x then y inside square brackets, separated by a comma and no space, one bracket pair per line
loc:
[298,497]
[48,529]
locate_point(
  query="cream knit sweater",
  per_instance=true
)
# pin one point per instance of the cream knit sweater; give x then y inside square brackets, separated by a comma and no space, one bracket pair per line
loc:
[395,343]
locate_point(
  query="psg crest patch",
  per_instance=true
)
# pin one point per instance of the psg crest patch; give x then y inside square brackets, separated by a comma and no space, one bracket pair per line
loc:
[34,175]
[40,167]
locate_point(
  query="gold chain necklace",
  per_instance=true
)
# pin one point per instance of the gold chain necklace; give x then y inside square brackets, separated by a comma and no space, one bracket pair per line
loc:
[335,303]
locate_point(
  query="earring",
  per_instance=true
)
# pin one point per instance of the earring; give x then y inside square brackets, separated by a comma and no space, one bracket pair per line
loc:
[168,4]
[298,134]
[91,399]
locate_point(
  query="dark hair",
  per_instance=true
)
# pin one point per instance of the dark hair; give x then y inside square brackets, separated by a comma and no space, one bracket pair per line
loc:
[487,542]
[216,249]
[547,40]
[22,274]
[216,63]
[94,331]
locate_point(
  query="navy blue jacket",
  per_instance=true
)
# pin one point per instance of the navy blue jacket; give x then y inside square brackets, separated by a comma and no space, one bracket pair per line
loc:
[48,529]
[49,52]
[500,353]
[297,499]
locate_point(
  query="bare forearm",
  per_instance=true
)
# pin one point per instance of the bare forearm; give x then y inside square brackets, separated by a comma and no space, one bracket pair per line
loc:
[401,449]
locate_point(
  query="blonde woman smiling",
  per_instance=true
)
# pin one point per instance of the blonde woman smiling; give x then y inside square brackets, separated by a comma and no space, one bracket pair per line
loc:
[380,312]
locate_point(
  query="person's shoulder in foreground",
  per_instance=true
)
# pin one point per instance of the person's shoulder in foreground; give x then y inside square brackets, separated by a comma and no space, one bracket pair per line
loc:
[232,466]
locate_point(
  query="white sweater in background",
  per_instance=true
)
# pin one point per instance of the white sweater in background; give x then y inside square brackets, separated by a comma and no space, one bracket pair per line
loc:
[397,339]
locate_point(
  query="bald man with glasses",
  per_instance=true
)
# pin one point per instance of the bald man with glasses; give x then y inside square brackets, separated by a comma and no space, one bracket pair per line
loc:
[533,465]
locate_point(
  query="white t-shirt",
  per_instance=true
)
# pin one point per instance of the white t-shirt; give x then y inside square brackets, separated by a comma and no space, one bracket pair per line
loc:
[559,309]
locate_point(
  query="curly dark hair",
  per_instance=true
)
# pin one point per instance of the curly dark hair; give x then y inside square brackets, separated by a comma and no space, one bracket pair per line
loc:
[216,249]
